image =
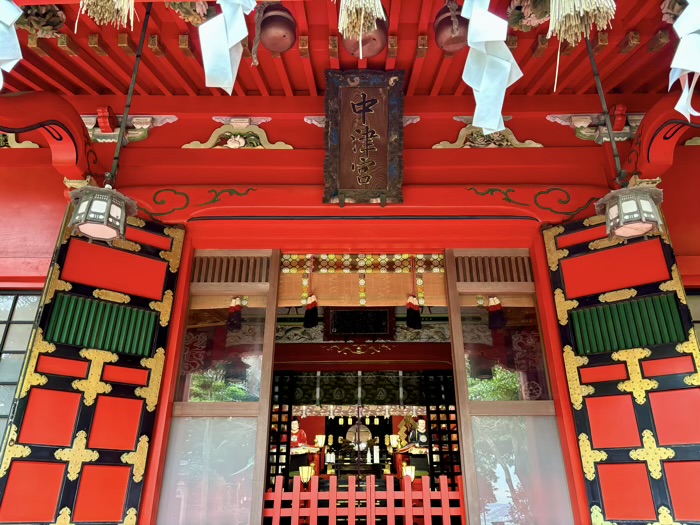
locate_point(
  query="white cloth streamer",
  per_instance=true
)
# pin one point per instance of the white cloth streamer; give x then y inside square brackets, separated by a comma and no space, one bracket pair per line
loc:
[490,68]
[686,61]
[220,39]
[10,52]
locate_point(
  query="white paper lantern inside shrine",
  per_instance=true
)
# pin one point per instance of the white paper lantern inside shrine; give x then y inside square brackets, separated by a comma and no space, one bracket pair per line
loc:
[632,212]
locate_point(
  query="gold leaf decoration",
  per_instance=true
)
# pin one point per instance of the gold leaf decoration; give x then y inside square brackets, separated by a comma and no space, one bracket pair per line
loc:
[130,518]
[109,295]
[173,256]
[55,284]
[554,255]
[163,307]
[617,295]
[636,384]
[13,451]
[126,245]
[563,306]
[32,377]
[63,517]
[665,518]
[597,517]
[138,459]
[589,456]
[150,392]
[594,220]
[691,347]
[135,222]
[577,391]
[606,242]
[93,384]
[652,454]
[675,285]
[77,455]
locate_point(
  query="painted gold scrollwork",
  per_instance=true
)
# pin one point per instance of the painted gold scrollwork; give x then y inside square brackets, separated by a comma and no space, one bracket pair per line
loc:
[173,256]
[131,517]
[636,385]
[137,459]
[652,454]
[589,456]
[55,284]
[77,455]
[554,255]
[13,451]
[594,220]
[563,306]
[63,517]
[126,245]
[163,307]
[135,222]
[606,242]
[32,377]
[93,384]
[150,392]
[617,295]
[675,285]
[666,518]
[109,295]
[597,517]
[577,391]
[691,347]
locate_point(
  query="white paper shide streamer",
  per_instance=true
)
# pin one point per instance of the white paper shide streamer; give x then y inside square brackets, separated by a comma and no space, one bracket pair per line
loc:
[10,52]
[490,68]
[686,61]
[220,39]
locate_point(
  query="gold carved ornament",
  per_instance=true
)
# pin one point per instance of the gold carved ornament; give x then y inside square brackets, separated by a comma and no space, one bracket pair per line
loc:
[594,220]
[63,517]
[563,306]
[13,451]
[131,517]
[617,295]
[554,255]
[164,307]
[597,517]
[691,347]
[577,391]
[150,392]
[109,295]
[665,518]
[636,384]
[652,454]
[589,456]
[93,384]
[31,376]
[77,455]
[55,284]
[126,245]
[137,459]
[173,256]
[606,242]
[135,222]
[675,285]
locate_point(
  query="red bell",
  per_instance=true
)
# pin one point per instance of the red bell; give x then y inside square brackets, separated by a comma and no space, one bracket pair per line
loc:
[373,42]
[447,39]
[278,29]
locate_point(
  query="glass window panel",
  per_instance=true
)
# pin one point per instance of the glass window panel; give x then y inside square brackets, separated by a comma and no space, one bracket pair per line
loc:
[208,472]
[222,358]
[520,471]
[503,354]
[7,393]
[5,306]
[17,337]
[25,309]
[98,207]
[10,367]
[629,206]
[3,425]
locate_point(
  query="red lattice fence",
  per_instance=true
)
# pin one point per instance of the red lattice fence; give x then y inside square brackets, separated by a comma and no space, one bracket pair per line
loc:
[413,504]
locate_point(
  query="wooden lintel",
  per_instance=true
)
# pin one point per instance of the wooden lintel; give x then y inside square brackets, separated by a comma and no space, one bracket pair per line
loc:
[185,45]
[96,44]
[630,42]
[125,44]
[393,46]
[422,49]
[155,45]
[540,46]
[67,45]
[38,45]
[659,41]
[512,42]
[333,46]
[304,46]
[600,42]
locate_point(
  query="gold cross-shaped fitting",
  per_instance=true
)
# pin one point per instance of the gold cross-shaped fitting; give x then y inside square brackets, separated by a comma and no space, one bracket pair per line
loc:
[77,455]
[652,454]
[636,384]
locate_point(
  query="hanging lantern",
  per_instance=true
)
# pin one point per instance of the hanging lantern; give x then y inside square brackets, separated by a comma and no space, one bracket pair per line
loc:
[100,213]
[632,212]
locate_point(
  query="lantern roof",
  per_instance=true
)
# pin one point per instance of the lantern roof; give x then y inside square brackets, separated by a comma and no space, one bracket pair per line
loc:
[654,194]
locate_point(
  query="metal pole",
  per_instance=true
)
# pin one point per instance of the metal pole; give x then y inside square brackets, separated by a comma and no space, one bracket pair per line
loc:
[111,178]
[620,175]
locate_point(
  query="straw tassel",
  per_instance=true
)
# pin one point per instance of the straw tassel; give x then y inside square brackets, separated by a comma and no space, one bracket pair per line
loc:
[571,20]
[358,17]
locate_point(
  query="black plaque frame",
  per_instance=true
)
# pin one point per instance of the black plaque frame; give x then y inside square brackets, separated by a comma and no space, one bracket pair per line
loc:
[393,82]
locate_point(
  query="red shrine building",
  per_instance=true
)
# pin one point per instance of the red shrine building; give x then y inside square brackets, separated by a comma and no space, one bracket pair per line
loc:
[307,262]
